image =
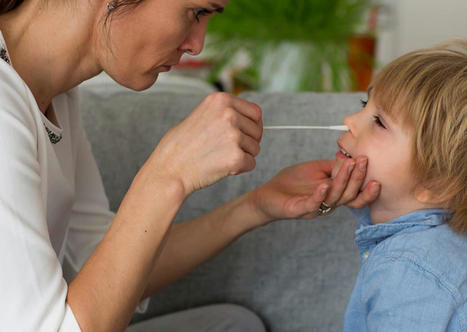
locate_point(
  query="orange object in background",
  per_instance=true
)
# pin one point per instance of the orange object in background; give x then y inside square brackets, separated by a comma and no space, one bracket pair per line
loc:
[361,60]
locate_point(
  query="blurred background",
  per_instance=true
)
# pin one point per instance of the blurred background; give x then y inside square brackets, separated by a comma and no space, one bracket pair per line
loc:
[310,45]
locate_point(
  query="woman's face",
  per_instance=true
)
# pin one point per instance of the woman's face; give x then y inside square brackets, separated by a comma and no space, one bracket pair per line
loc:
[148,39]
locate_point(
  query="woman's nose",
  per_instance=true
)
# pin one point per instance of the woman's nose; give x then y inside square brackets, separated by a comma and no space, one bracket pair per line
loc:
[194,42]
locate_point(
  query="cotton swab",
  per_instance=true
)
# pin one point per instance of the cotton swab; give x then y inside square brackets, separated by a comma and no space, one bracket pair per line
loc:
[341,128]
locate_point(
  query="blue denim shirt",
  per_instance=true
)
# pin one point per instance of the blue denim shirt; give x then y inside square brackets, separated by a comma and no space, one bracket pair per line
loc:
[413,275]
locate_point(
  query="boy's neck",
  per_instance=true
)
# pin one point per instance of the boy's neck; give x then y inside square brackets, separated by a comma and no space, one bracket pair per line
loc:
[382,212]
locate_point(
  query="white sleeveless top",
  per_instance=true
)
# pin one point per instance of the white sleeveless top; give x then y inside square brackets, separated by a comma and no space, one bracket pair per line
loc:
[53,208]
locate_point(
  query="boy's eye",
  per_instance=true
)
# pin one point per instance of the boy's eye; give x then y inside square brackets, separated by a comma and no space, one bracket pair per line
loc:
[201,12]
[378,121]
[363,102]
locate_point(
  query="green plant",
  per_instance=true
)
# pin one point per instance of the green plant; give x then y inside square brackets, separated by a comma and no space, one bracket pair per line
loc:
[318,28]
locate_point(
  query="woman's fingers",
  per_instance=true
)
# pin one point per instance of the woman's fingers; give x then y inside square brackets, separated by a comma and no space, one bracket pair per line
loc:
[245,162]
[248,109]
[337,167]
[222,100]
[249,145]
[219,138]
[314,202]
[355,182]
[307,206]
[347,182]
[368,195]
[245,133]
[260,123]
[249,127]
[340,182]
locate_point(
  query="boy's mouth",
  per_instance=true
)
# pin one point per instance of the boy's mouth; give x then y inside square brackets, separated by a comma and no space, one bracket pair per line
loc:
[345,153]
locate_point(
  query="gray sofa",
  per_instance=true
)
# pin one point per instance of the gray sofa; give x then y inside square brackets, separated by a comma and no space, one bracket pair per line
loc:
[296,275]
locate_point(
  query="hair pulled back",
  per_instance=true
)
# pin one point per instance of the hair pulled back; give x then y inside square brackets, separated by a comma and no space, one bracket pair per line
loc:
[9,5]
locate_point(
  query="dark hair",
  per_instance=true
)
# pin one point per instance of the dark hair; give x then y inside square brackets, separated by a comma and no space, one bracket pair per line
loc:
[8,5]
[117,5]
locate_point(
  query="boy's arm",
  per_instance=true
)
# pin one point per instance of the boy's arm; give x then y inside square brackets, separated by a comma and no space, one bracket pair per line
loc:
[400,295]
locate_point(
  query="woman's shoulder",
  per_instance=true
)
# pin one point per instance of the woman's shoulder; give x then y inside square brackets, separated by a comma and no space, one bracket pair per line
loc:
[11,83]
[16,100]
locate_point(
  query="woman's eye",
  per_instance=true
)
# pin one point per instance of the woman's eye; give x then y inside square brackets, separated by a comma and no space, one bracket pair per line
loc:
[363,102]
[201,12]
[378,121]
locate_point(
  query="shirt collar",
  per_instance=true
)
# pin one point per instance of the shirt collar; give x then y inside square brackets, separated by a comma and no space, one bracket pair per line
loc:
[368,234]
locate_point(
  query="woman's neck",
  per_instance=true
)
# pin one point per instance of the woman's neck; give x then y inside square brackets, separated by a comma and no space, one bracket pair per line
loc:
[52,46]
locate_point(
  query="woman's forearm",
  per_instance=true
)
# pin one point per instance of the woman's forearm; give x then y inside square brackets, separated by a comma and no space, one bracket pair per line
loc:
[295,192]
[104,294]
[193,242]
[220,137]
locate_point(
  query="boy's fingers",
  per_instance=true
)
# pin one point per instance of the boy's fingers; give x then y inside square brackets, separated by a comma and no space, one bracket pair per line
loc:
[368,195]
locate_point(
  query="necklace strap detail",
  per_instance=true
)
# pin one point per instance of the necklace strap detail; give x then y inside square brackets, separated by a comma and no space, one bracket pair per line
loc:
[54,138]
[4,55]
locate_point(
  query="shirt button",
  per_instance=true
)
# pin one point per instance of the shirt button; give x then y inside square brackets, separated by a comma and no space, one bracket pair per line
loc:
[366,254]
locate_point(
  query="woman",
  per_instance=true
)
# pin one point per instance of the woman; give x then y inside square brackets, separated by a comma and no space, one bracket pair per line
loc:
[52,204]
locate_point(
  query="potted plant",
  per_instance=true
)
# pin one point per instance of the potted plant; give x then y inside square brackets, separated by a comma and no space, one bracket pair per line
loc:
[298,45]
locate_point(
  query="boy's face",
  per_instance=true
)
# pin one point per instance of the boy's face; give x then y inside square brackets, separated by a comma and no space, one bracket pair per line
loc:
[387,144]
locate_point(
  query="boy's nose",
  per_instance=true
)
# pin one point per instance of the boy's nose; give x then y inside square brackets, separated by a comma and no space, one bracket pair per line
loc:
[350,122]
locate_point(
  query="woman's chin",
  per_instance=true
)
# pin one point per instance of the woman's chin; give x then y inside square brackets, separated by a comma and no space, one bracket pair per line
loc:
[142,84]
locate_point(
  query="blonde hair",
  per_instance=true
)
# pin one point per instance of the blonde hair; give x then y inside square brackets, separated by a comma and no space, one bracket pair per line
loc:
[427,90]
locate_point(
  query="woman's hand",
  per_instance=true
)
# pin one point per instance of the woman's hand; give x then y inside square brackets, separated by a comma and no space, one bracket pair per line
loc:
[297,191]
[219,138]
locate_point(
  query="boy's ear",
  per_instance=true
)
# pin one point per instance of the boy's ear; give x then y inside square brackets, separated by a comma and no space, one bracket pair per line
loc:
[429,196]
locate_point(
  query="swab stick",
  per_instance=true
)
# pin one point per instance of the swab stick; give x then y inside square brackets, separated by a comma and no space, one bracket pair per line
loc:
[341,128]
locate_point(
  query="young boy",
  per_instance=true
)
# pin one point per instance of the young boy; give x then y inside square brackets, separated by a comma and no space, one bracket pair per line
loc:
[412,239]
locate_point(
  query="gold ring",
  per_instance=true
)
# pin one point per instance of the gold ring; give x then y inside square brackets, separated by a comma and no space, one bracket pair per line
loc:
[325,208]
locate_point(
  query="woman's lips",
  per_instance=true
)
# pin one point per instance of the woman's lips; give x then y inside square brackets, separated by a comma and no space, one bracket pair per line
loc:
[165,68]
